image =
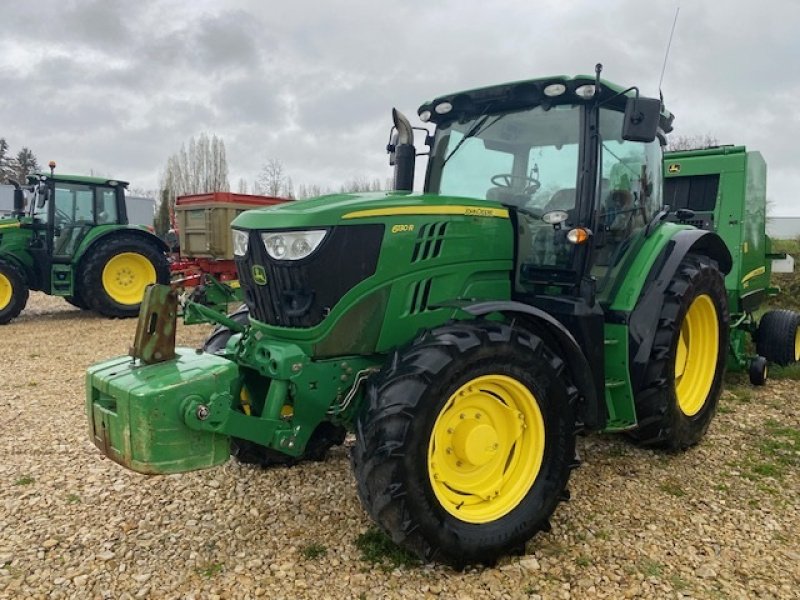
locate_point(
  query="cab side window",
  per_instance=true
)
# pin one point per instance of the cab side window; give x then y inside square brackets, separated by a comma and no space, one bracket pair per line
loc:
[106,206]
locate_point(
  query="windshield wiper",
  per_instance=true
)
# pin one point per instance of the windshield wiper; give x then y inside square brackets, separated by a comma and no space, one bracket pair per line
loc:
[474,130]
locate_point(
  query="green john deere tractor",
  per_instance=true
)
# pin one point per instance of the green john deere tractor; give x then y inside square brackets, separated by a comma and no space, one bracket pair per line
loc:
[537,288]
[73,240]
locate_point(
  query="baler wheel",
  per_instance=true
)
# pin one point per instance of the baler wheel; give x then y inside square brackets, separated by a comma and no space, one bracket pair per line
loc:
[114,276]
[13,292]
[778,338]
[465,442]
[758,370]
[687,361]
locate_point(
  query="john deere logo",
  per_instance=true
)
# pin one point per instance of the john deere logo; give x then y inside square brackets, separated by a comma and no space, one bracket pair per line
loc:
[259,275]
[674,168]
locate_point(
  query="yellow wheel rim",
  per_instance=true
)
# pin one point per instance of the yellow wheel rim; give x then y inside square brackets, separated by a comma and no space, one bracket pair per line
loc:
[126,276]
[6,291]
[486,448]
[797,345]
[696,355]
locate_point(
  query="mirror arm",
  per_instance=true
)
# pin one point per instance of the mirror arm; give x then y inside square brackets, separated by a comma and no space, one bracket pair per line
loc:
[633,88]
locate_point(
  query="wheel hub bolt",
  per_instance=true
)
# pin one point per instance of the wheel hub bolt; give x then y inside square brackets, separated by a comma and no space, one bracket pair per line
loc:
[202,412]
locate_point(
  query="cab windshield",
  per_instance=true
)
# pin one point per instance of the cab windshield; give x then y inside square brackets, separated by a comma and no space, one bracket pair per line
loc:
[530,160]
[526,158]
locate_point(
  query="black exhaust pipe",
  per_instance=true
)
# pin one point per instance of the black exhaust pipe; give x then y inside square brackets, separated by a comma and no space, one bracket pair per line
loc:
[403,153]
[19,199]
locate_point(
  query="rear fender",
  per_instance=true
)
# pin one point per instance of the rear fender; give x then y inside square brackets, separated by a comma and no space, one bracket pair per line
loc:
[643,319]
[98,234]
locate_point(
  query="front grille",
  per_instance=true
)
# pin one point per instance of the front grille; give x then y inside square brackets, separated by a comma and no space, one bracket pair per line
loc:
[302,293]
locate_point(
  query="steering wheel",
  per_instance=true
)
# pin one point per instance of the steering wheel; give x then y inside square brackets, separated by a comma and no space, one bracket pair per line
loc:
[507,180]
[61,217]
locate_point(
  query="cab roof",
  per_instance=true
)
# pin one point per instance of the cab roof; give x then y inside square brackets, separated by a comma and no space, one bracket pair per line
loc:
[526,93]
[42,176]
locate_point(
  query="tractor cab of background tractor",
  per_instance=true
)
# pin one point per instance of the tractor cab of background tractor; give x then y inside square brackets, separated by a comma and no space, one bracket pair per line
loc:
[70,237]
[67,207]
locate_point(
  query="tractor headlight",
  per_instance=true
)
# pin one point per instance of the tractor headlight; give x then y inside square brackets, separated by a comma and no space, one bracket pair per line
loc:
[292,245]
[240,242]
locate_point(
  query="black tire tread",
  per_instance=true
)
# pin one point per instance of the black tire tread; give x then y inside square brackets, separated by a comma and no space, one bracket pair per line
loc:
[77,301]
[660,422]
[393,400]
[19,292]
[776,336]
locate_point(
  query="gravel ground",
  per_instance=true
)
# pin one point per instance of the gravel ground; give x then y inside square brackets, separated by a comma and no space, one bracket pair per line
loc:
[720,521]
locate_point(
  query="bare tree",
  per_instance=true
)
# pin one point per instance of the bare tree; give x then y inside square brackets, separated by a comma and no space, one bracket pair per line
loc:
[24,164]
[241,186]
[692,142]
[200,169]
[273,180]
[360,184]
[312,191]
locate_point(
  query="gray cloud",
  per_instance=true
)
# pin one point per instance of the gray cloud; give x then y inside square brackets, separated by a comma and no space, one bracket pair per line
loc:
[116,87]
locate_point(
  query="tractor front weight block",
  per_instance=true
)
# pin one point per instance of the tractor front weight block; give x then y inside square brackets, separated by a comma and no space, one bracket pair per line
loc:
[145,417]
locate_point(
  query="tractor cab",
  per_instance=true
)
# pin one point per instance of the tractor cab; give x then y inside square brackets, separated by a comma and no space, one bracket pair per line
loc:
[63,209]
[561,155]
[66,207]
[69,236]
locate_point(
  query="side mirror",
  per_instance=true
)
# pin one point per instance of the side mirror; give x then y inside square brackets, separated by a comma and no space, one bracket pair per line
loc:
[42,194]
[641,119]
[391,148]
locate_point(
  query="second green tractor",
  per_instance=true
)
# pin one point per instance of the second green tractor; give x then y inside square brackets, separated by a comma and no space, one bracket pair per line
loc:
[537,288]
[69,236]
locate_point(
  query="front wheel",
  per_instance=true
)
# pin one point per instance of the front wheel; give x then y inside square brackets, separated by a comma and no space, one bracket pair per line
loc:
[114,277]
[13,292]
[465,443]
[687,361]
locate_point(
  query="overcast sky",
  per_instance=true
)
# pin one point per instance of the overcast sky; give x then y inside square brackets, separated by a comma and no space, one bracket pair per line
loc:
[115,87]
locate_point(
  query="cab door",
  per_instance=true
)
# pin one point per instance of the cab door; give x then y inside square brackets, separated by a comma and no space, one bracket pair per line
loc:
[72,218]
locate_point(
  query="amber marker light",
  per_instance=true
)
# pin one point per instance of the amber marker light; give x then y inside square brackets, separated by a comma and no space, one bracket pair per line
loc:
[579,235]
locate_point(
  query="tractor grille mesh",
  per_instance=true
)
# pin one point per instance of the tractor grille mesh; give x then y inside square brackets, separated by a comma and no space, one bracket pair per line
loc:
[302,293]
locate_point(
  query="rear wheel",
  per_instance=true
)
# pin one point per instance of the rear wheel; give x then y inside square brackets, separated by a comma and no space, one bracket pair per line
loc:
[687,362]
[13,292]
[465,443]
[77,301]
[113,279]
[779,337]
[325,436]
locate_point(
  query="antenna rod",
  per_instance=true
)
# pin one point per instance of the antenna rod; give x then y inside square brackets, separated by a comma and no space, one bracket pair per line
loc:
[669,44]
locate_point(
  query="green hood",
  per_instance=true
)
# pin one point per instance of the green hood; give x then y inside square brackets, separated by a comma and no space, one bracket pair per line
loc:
[327,211]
